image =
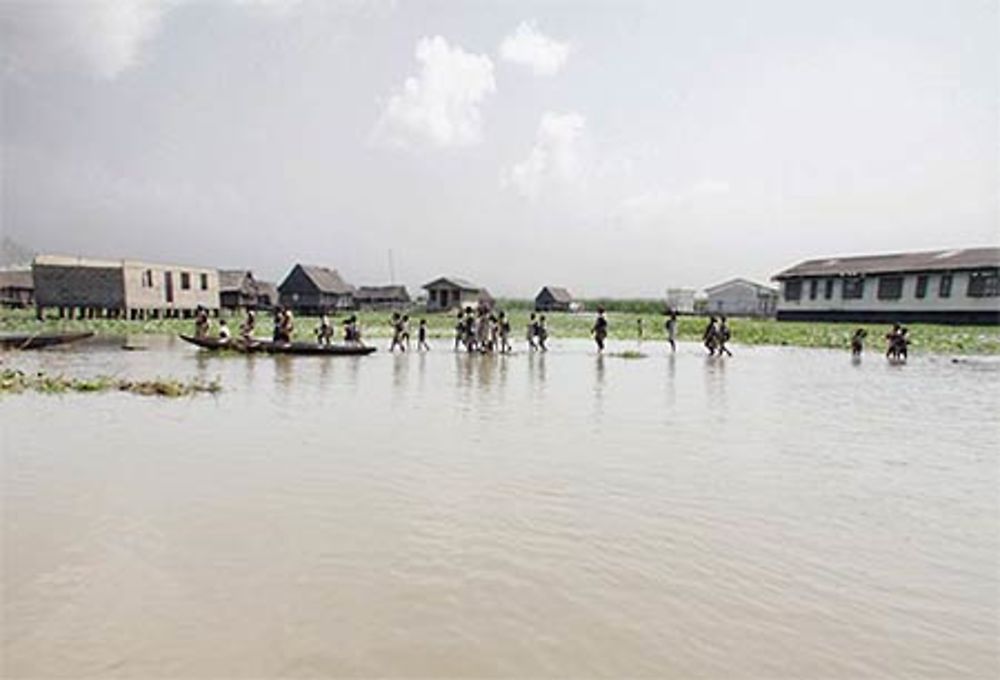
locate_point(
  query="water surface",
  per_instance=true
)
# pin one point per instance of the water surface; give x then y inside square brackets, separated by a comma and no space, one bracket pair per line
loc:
[783,513]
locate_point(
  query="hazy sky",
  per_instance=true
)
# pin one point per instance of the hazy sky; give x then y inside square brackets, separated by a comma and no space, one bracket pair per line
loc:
[611,147]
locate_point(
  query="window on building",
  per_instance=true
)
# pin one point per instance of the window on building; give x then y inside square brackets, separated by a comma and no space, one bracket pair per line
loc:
[793,290]
[185,280]
[813,289]
[985,283]
[890,287]
[853,288]
[921,291]
[828,293]
[204,281]
[147,278]
[944,287]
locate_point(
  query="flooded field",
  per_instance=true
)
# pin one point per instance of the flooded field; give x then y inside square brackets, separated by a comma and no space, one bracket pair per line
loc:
[783,513]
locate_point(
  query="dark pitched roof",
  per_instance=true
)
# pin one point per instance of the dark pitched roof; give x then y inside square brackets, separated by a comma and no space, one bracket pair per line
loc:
[557,294]
[17,278]
[326,280]
[455,282]
[390,292]
[966,258]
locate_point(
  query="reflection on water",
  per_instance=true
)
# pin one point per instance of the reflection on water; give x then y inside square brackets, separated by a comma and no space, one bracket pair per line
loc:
[781,513]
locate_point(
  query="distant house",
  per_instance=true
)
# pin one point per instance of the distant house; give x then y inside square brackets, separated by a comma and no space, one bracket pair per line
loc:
[940,286]
[382,297]
[681,300]
[449,292]
[122,288]
[238,289]
[553,299]
[740,297]
[17,288]
[315,290]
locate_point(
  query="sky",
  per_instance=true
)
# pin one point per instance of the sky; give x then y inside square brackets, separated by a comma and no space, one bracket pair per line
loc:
[614,148]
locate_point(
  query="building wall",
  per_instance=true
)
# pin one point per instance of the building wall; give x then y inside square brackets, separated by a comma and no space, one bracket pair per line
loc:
[680,300]
[316,303]
[908,305]
[78,286]
[140,295]
[455,298]
[740,300]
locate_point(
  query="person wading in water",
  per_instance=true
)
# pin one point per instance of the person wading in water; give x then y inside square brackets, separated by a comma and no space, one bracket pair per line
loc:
[600,329]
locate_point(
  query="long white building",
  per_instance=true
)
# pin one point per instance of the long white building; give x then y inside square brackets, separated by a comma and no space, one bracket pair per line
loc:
[941,286]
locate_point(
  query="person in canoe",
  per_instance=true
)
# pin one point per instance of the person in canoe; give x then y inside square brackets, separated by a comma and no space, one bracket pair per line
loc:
[600,329]
[324,333]
[201,324]
[286,326]
[224,334]
[671,328]
[352,336]
[247,327]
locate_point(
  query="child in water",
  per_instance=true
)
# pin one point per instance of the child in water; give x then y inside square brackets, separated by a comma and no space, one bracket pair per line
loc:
[600,329]
[858,342]
[422,336]
[671,327]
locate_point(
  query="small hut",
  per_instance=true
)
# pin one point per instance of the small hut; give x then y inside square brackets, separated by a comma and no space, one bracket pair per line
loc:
[448,292]
[382,297]
[310,289]
[238,289]
[17,288]
[553,299]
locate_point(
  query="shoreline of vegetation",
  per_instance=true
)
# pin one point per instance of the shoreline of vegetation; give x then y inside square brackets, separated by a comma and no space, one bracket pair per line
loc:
[622,317]
[15,381]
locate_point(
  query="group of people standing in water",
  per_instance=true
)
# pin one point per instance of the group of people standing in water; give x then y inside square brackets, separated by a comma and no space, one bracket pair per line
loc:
[485,331]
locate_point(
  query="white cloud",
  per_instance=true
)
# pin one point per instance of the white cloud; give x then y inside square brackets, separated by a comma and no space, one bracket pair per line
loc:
[554,160]
[527,46]
[661,202]
[441,104]
[103,37]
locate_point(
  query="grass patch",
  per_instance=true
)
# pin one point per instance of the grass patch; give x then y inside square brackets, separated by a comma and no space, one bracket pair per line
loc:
[622,319]
[628,354]
[16,381]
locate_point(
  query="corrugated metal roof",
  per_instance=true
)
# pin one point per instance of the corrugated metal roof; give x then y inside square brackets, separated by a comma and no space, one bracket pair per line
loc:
[456,282]
[744,282]
[933,260]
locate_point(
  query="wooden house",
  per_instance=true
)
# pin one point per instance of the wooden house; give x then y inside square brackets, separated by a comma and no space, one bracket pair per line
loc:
[450,292]
[315,290]
[122,288]
[17,288]
[959,286]
[553,299]
[740,297]
[238,289]
[382,297]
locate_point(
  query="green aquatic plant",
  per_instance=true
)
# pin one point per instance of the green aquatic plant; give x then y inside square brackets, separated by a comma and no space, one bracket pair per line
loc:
[16,381]
[628,354]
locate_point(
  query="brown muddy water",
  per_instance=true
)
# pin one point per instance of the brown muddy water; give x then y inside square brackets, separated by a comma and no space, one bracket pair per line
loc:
[783,513]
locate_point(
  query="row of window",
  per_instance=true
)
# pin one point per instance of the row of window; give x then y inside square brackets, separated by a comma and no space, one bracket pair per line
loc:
[985,283]
[168,280]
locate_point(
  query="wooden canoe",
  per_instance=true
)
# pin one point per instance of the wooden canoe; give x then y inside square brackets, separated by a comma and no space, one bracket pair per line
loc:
[40,340]
[269,347]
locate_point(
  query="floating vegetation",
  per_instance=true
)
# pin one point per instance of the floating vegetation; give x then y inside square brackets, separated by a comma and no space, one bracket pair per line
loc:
[15,381]
[628,354]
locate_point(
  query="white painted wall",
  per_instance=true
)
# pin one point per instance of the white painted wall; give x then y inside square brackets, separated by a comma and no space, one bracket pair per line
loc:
[740,299]
[958,302]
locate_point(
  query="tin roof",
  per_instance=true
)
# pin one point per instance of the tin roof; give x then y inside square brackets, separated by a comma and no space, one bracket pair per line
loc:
[932,260]
[558,294]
